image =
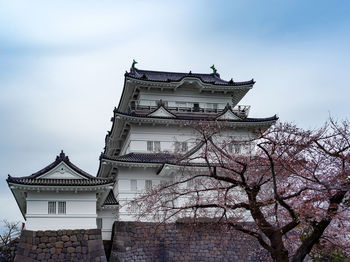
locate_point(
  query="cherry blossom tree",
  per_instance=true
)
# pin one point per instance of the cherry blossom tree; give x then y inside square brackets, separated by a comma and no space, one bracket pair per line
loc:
[289,188]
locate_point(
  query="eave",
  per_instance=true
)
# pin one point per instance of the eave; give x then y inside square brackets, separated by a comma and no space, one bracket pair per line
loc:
[130,163]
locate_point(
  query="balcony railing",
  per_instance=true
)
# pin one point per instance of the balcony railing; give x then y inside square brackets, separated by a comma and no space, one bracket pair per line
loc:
[184,106]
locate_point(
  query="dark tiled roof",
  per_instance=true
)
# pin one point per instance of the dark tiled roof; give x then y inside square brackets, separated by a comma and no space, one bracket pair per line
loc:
[60,158]
[206,117]
[87,180]
[160,76]
[143,158]
[59,182]
[110,199]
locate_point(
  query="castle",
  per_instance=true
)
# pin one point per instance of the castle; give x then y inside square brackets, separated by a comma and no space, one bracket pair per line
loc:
[148,130]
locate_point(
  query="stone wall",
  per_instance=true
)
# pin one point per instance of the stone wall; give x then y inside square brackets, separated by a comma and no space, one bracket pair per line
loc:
[148,242]
[61,245]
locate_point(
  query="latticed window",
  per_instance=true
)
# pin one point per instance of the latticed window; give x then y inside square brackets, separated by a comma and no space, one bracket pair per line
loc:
[235,148]
[153,146]
[133,207]
[148,185]
[61,207]
[150,146]
[52,207]
[156,146]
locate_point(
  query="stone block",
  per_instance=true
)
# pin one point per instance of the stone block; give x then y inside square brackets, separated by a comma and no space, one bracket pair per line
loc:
[41,256]
[73,238]
[52,239]
[65,238]
[59,244]
[70,249]
[20,258]
[94,245]
[94,231]
[67,244]
[44,239]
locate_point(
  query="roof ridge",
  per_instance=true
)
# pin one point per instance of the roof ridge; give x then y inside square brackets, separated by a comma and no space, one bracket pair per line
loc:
[170,72]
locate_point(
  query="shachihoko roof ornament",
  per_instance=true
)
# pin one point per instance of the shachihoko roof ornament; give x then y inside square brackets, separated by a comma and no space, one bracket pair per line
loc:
[214,69]
[134,62]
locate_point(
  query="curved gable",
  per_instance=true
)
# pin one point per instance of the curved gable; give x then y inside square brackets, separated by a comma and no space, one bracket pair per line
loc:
[162,112]
[61,171]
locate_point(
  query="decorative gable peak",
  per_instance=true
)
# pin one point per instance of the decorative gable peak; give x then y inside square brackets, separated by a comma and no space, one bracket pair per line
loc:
[62,157]
[161,111]
[62,171]
[228,114]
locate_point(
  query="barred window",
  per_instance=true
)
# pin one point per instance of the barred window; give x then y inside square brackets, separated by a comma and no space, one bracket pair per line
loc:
[148,185]
[52,207]
[150,146]
[153,146]
[156,146]
[61,207]
[235,148]
[133,207]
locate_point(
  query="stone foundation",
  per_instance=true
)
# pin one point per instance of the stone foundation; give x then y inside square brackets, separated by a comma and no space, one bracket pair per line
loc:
[61,245]
[148,242]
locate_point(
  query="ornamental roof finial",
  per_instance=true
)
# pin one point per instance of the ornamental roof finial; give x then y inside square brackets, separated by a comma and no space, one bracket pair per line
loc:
[133,63]
[214,69]
[62,156]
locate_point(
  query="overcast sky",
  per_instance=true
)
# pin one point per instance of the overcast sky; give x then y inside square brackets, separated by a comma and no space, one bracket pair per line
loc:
[62,65]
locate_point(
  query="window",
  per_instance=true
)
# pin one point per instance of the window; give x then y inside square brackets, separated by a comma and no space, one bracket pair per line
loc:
[235,148]
[56,207]
[133,207]
[52,207]
[148,185]
[133,185]
[61,207]
[196,107]
[153,146]
[181,146]
[156,146]
[149,145]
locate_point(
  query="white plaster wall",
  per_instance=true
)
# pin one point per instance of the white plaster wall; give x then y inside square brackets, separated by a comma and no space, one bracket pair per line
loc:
[80,211]
[193,96]
[139,135]
[108,216]
[126,195]
[60,222]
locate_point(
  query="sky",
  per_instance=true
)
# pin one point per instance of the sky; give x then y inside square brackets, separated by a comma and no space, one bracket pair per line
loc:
[62,66]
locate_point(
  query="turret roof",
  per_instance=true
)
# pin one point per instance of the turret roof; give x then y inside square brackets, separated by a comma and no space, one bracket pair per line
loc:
[162,76]
[36,179]
[207,117]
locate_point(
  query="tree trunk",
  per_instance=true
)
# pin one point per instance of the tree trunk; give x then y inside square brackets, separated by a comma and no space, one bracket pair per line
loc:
[278,250]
